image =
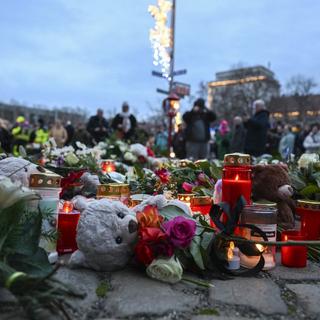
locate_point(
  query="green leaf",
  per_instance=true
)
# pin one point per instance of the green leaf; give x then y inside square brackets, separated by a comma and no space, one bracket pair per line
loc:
[316,177]
[297,181]
[206,239]
[195,250]
[309,191]
[170,212]
[36,265]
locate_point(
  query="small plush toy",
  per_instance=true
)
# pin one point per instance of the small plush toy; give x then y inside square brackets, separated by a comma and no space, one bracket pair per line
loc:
[271,182]
[18,169]
[106,234]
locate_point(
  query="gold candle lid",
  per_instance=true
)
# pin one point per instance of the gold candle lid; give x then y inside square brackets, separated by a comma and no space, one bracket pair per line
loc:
[237,159]
[201,201]
[265,203]
[46,179]
[185,197]
[113,189]
[184,162]
[308,204]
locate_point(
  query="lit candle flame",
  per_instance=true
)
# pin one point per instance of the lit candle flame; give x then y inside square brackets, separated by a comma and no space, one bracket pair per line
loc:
[237,177]
[232,245]
[230,254]
[67,207]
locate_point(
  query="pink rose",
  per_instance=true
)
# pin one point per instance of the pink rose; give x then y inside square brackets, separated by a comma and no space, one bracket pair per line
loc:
[187,187]
[180,231]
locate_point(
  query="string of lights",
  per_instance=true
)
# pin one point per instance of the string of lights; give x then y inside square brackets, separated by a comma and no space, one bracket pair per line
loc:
[160,36]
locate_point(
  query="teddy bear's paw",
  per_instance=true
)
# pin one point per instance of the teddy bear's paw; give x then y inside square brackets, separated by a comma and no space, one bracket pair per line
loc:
[159,201]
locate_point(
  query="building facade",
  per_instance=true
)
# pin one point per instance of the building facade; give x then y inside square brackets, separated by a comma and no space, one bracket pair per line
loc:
[233,91]
[10,112]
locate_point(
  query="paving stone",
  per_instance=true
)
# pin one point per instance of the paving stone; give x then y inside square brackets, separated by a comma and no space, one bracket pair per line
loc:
[84,281]
[218,318]
[260,294]
[7,297]
[310,272]
[308,295]
[135,294]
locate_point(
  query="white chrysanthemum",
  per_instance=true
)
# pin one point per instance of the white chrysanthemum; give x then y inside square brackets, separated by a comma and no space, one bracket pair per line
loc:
[306,159]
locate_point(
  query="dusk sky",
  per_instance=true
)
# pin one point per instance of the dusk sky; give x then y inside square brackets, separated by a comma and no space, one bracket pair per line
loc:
[97,53]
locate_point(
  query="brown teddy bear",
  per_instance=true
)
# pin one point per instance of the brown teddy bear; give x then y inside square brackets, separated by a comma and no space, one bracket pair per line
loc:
[271,182]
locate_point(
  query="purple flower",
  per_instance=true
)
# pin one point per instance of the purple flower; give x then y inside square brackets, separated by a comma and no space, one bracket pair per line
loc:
[187,187]
[180,231]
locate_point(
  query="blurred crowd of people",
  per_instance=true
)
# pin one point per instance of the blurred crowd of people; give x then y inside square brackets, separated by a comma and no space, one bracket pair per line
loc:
[200,136]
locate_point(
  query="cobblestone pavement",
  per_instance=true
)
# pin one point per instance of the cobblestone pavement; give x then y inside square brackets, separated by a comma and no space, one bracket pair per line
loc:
[279,294]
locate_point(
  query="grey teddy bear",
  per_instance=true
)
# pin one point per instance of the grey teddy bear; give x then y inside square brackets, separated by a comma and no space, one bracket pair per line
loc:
[106,234]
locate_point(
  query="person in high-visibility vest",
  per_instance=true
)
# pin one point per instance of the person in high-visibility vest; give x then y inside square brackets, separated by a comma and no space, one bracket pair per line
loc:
[39,136]
[20,133]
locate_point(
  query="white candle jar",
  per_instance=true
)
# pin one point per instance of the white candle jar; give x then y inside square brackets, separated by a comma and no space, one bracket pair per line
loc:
[47,185]
[263,216]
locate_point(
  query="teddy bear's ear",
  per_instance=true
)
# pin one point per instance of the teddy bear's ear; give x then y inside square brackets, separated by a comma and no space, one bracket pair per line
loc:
[258,168]
[80,203]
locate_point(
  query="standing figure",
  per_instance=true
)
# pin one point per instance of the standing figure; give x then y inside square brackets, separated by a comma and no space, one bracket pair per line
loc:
[98,127]
[124,123]
[70,131]
[223,137]
[286,144]
[39,136]
[257,128]
[198,130]
[59,133]
[312,141]
[20,133]
[179,142]
[238,136]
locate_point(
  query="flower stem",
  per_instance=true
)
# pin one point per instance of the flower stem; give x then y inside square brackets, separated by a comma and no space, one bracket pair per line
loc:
[198,282]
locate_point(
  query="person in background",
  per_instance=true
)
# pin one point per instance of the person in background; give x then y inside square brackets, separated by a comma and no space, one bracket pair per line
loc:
[286,144]
[124,123]
[198,130]
[257,128]
[59,133]
[39,136]
[20,133]
[179,142]
[81,135]
[299,149]
[273,139]
[223,137]
[98,127]
[238,136]
[5,137]
[312,141]
[161,141]
[70,132]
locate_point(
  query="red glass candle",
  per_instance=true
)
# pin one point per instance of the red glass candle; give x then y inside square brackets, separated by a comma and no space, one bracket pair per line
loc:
[108,166]
[293,256]
[309,212]
[201,204]
[67,229]
[236,180]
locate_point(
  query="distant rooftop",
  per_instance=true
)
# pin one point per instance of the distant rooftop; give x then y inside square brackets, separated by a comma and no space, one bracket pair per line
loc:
[244,72]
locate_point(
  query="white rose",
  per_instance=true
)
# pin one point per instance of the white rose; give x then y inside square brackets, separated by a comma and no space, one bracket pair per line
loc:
[81,145]
[128,156]
[306,159]
[166,270]
[71,159]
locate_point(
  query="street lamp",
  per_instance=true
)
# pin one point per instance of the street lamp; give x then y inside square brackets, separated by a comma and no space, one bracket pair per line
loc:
[171,106]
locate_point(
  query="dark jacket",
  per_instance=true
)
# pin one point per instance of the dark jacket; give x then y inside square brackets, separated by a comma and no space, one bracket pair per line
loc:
[118,120]
[98,128]
[190,117]
[257,130]
[238,138]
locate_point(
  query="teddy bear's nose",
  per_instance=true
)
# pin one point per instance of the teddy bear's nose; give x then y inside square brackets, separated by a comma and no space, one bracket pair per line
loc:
[133,226]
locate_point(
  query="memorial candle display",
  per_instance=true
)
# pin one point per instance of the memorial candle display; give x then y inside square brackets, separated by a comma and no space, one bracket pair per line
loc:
[309,212]
[108,166]
[293,256]
[68,219]
[201,204]
[114,191]
[233,257]
[236,180]
[186,198]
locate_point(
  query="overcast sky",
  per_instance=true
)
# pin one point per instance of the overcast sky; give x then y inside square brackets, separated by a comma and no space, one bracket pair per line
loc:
[93,53]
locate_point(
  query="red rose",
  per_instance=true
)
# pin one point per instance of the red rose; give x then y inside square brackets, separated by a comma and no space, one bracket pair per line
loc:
[142,159]
[152,234]
[163,174]
[150,152]
[144,253]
